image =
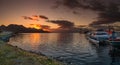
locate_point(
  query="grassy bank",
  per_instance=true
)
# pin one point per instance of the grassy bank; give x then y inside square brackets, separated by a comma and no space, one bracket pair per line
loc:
[10,55]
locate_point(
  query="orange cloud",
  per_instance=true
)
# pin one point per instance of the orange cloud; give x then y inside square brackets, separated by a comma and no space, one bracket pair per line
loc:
[38,26]
[43,17]
[35,17]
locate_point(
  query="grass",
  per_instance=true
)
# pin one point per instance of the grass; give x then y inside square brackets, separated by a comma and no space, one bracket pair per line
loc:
[10,55]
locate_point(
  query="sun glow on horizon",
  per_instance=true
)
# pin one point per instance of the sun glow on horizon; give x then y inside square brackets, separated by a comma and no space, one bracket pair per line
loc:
[36,26]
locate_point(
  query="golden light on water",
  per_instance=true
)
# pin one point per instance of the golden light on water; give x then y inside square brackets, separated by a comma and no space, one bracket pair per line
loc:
[34,39]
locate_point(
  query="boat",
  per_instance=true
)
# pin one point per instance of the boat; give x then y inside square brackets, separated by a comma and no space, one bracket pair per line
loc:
[98,37]
[115,42]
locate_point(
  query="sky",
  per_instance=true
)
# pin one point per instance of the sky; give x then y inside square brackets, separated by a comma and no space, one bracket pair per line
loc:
[14,11]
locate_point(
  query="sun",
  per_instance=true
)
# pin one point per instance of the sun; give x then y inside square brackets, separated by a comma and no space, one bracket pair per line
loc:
[36,26]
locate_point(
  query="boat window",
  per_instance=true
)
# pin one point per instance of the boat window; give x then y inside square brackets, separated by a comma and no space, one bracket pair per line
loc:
[101,33]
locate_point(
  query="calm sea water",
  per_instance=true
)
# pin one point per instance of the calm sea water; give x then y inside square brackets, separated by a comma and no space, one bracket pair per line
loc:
[71,48]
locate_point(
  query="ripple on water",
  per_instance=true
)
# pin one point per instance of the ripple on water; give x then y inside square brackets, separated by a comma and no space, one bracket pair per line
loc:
[71,48]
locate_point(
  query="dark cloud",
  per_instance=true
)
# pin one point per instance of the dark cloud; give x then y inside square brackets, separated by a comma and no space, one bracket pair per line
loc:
[43,17]
[96,5]
[63,23]
[108,10]
[26,17]
[99,22]
[71,3]
[111,15]
[34,17]
[85,4]
[29,18]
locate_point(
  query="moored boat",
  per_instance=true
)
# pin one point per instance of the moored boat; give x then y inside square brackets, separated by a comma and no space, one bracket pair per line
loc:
[115,42]
[98,37]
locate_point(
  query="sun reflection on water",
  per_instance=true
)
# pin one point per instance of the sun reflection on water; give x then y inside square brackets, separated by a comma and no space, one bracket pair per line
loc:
[34,39]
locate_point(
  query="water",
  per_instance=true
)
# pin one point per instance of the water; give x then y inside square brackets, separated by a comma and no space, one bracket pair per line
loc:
[71,48]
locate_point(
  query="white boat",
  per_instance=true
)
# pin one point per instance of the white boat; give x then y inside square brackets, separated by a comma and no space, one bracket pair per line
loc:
[98,37]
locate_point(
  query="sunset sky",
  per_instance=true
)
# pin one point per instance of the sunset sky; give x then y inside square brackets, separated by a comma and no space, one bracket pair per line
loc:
[11,12]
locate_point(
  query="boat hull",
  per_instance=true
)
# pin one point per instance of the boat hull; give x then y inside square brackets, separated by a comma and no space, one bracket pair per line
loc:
[115,43]
[97,42]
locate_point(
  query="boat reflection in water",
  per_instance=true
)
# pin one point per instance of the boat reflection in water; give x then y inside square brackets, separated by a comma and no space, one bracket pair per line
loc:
[71,48]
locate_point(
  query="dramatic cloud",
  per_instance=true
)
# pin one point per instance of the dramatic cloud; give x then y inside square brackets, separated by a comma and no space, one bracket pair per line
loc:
[111,15]
[84,4]
[71,3]
[35,17]
[108,11]
[43,17]
[63,23]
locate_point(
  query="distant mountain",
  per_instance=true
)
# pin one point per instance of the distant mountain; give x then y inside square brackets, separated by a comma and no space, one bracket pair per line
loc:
[21,29]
